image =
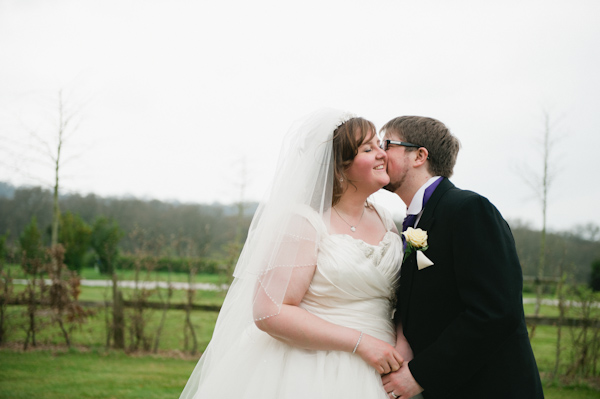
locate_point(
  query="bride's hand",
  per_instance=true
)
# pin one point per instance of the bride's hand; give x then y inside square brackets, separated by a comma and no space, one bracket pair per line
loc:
[378,354]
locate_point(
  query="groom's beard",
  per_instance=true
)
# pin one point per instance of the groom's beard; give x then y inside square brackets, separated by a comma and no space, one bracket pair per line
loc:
[390,187]
[394,185]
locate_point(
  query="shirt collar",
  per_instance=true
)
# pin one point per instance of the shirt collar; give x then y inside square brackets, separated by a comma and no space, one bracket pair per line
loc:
[416,205]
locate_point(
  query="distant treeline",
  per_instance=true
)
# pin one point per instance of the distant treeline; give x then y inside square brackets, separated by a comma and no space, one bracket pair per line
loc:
[568,251]
[156,227]
[172,230]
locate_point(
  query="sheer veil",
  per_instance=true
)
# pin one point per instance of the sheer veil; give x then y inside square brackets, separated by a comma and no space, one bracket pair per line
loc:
[284,234]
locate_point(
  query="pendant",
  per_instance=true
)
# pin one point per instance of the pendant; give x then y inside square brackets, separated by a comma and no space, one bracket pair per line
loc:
[352,228]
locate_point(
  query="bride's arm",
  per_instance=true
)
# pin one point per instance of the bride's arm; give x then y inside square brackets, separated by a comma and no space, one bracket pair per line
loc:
[300,328]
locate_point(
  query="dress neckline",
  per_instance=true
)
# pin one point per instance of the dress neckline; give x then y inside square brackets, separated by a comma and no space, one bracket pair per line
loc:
[385,225]
[383,238]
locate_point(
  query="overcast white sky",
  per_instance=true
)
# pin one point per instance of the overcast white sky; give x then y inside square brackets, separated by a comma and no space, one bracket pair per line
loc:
[175,99]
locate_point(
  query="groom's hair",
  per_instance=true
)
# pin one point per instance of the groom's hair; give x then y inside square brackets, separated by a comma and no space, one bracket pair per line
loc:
[429,133]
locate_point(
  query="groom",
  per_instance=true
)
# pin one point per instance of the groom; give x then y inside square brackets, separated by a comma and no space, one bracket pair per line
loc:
[460,307]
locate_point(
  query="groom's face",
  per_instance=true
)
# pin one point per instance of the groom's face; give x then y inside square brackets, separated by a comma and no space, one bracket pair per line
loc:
[398,162]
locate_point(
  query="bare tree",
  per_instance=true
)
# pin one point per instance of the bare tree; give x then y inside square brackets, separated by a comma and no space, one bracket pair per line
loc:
[541,185]
[585,338]
[32,296]
[180,245]
[46,148]
[188,327]
[545,186]
[63,294]
[145,260]
[6,292]
[563,308]
[166,303]
[64,130]
[118,315]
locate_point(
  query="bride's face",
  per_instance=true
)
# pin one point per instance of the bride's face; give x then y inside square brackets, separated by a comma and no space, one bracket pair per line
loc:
[368,169]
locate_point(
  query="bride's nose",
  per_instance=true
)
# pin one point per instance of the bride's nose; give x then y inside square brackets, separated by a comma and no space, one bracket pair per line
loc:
[381,153]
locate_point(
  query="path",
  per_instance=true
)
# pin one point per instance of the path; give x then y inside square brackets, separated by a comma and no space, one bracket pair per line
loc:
[142,284]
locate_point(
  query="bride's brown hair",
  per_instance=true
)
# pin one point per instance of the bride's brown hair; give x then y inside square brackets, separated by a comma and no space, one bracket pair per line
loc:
[346,140]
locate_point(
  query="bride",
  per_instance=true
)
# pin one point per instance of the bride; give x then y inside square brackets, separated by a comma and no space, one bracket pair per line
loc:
[309,312]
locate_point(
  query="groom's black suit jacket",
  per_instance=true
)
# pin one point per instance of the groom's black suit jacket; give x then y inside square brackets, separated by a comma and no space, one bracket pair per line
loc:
[463,316]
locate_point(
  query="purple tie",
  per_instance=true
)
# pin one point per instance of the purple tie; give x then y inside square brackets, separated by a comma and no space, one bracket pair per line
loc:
[409,221]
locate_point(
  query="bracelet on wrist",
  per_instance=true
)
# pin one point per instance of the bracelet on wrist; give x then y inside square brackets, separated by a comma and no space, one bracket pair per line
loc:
[358,342]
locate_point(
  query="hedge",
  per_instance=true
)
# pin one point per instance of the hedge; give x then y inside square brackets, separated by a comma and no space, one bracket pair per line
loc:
[202,265]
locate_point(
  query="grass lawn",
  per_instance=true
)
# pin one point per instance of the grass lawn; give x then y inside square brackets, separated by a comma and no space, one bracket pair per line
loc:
[42,374]
[574,392]
[107,375]
[91,371]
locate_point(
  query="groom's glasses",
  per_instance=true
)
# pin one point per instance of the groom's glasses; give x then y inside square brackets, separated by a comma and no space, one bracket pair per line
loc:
[385,144]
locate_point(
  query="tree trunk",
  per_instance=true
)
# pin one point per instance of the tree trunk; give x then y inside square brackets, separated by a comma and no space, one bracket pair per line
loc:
[64,332]
[561,317]
[163,317]
[188,310]
[55,209]
[544,198]
[118,325]
[6,294]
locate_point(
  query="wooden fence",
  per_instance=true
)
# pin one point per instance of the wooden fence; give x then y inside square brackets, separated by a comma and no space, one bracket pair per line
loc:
[539,320]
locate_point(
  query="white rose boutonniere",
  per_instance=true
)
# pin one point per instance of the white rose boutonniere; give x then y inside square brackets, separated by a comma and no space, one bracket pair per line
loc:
[416,240]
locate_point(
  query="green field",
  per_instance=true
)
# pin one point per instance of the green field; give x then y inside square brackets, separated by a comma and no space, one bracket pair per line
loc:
[63,375]
[109,374]
[90,370]
[106,375]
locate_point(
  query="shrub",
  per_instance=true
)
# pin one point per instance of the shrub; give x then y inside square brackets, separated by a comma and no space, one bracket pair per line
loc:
[31,247]
[202,265]
[76,236]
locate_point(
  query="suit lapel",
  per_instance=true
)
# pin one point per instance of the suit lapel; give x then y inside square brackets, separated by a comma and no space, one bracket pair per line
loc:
[427,218]
[409,267]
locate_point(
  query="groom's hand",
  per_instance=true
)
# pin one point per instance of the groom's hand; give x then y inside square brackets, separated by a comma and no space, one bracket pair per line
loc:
[401,383]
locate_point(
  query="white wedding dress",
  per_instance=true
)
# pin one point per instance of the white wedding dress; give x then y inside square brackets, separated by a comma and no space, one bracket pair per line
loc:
[353,286]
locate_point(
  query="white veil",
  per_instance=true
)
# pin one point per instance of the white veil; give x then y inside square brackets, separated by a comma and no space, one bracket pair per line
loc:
[283,234]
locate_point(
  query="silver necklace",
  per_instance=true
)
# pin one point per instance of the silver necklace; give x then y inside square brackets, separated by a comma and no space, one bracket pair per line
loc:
[353,228]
